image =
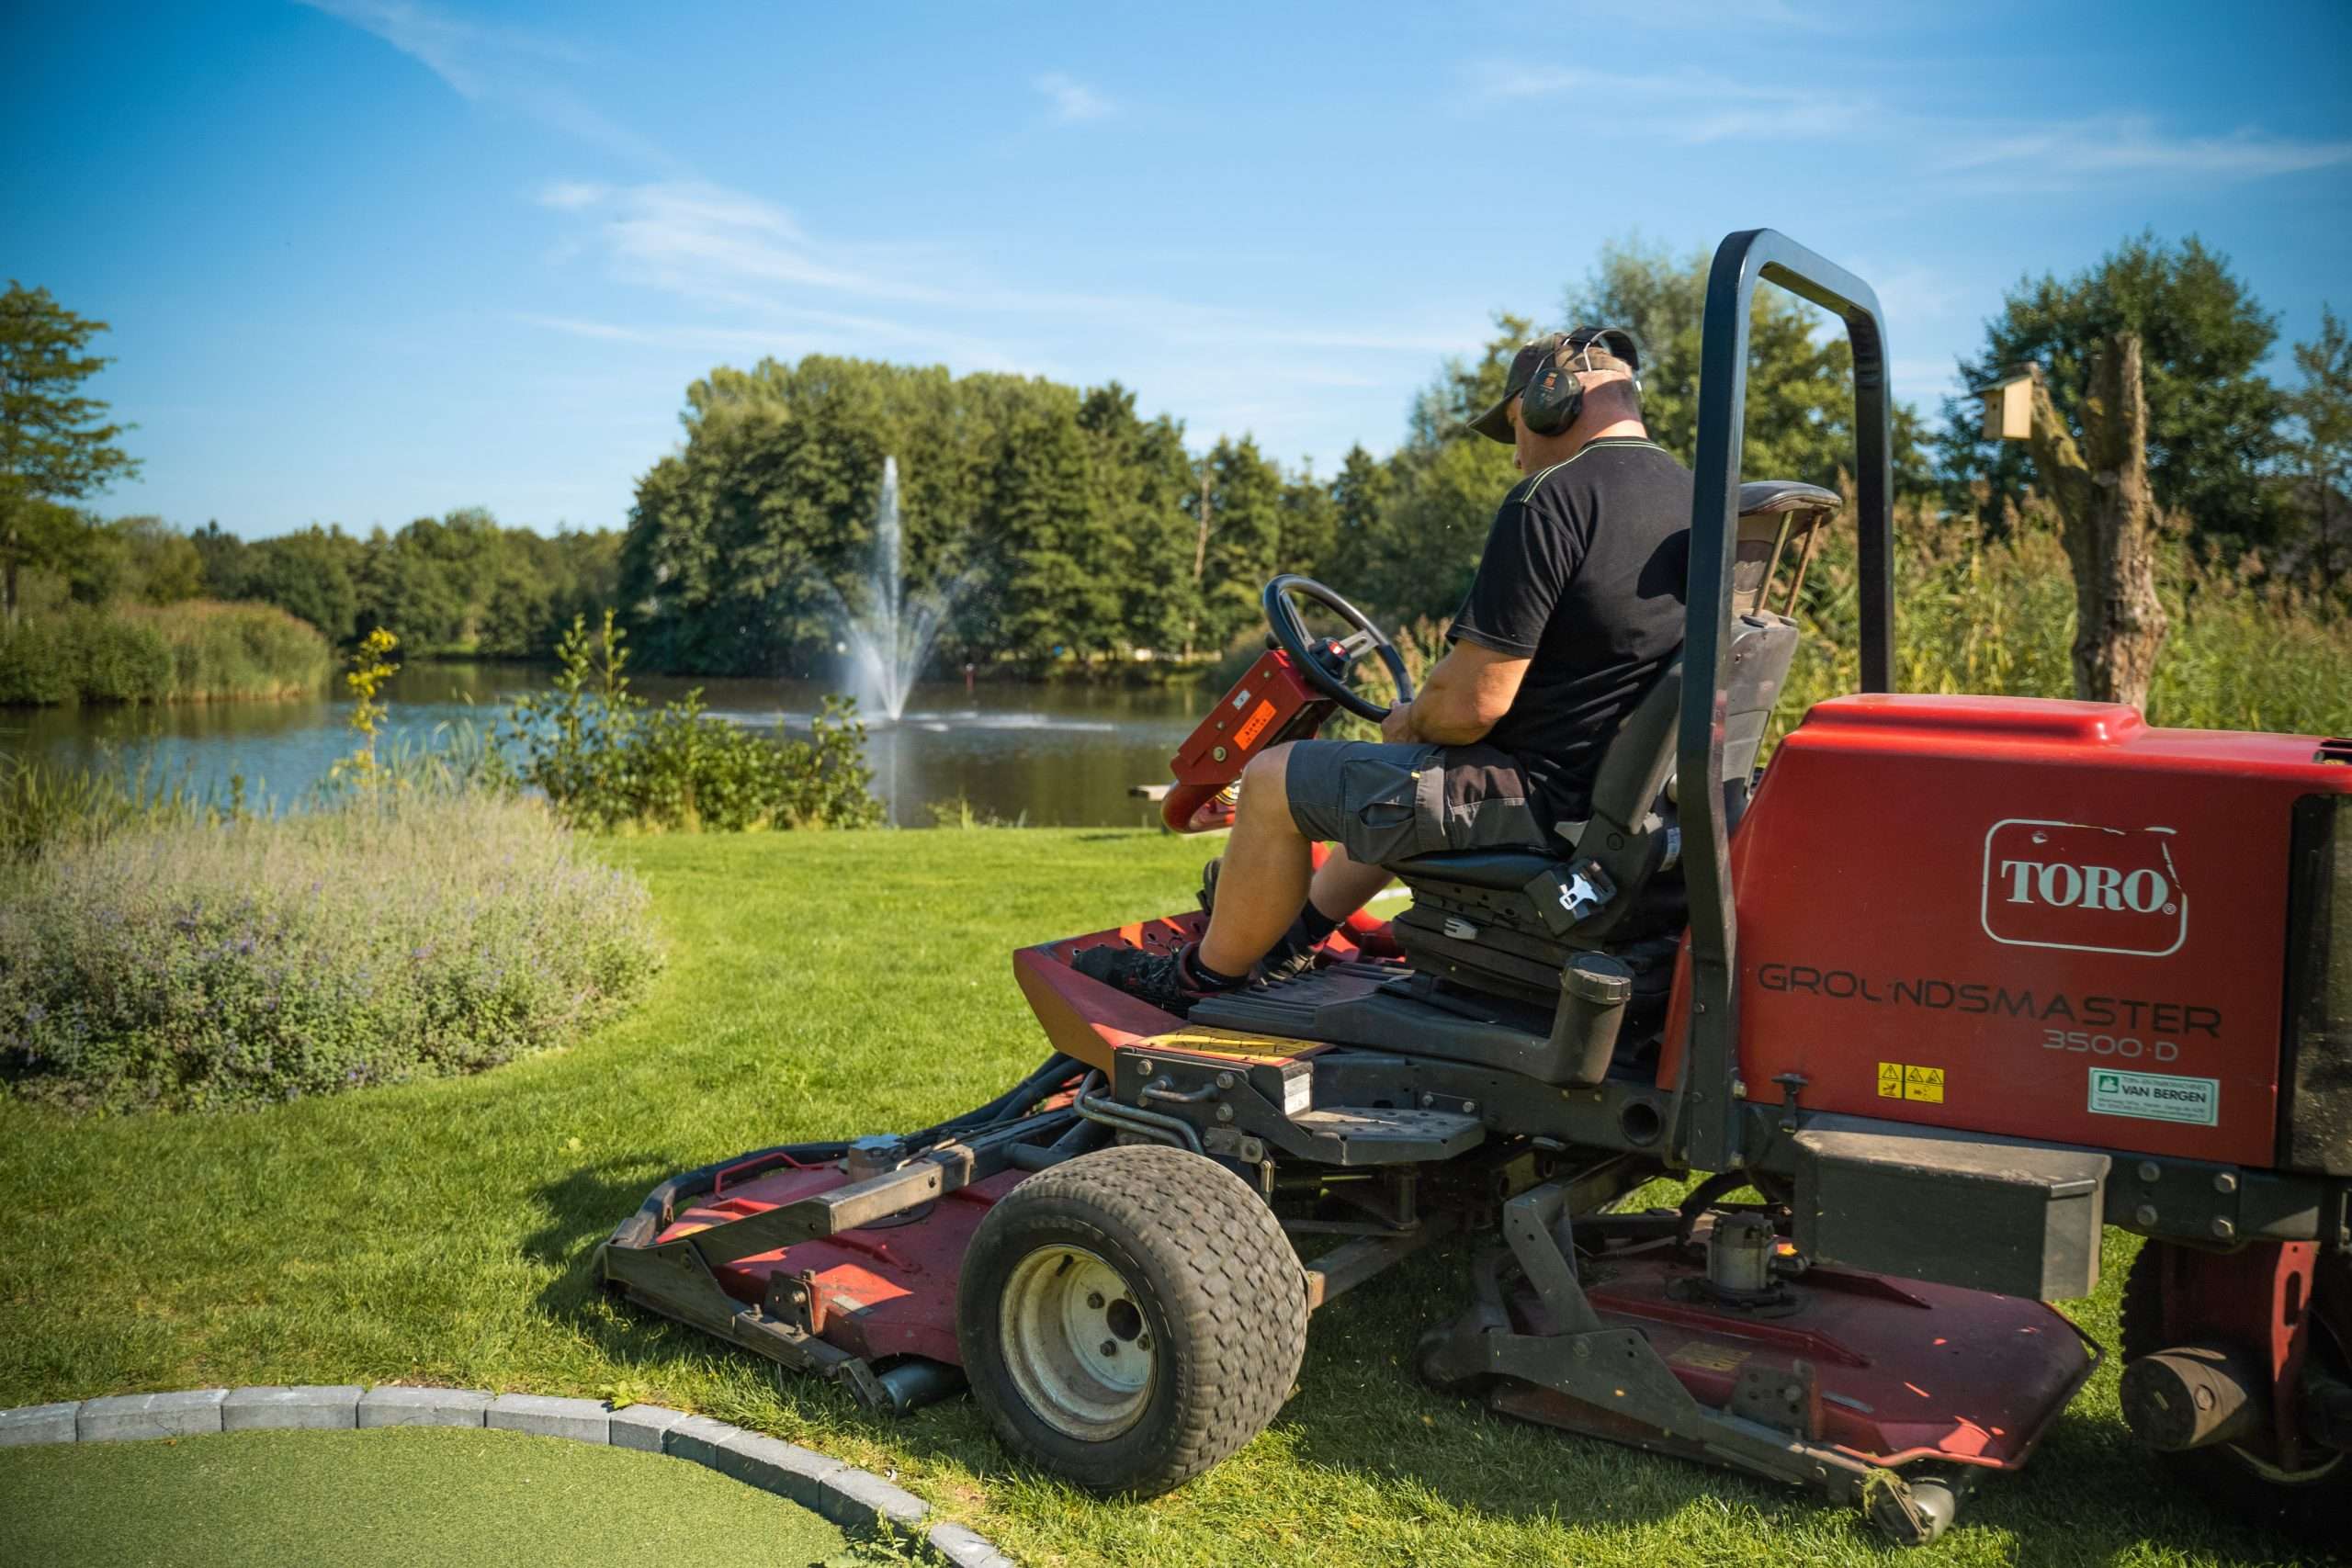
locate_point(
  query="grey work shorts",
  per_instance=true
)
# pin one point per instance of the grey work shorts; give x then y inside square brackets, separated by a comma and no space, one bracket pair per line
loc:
[1385,803]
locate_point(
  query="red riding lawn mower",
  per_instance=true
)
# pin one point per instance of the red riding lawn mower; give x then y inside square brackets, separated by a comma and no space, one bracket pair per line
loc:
[1952,985]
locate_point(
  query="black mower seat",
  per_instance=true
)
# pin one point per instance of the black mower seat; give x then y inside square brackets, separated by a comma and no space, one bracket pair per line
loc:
[1759,496]
[1502,871]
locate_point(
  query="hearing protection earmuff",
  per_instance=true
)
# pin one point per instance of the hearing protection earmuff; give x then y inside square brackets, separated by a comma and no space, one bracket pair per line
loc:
[1553,397]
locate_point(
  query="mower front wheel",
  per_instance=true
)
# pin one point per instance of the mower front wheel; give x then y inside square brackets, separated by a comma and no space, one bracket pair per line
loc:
[1130,1318]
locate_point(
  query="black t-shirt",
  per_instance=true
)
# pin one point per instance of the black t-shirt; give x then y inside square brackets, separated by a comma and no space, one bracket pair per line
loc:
[1584,575]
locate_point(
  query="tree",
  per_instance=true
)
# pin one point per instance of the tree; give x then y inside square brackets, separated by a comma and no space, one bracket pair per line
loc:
[1245,500]
[1053,591]
[224,557]
[1359,505]
[158,564]
[2213,417]
[1144,487]
[54,445]
[310,574]
[1310,523]
[2322,408]
[2108,508]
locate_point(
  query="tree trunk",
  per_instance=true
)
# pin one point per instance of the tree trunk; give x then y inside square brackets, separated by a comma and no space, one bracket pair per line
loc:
[1200,559]
[2109,511]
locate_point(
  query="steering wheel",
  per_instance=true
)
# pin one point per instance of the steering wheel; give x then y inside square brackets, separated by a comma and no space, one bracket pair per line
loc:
[1326,664]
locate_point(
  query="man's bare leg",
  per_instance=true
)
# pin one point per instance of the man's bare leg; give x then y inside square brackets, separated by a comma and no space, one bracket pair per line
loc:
[1267,869]
[1344,885]
[1264,879]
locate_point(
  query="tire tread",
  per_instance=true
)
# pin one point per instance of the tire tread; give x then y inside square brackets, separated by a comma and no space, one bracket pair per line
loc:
[1237,1295]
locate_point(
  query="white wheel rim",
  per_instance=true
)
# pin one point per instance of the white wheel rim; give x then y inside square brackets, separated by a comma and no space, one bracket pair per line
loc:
[1077,1343]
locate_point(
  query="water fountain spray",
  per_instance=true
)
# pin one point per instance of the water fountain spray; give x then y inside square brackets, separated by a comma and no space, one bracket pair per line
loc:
[890,638]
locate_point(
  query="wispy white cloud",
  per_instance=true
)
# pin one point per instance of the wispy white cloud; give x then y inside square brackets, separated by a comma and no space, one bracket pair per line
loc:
[2070,153]
[1071,101]
[1690,106]
[496,65]
[1693,107]
[732,276]
[452,48]
[719,246]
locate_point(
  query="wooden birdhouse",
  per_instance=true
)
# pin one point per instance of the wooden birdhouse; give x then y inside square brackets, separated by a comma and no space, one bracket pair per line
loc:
[2009,405]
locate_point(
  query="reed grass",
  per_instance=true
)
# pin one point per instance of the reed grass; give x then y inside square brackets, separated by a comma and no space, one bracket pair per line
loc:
[199,650]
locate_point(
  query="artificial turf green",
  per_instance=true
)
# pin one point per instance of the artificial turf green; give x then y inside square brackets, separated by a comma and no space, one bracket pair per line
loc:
[828,984]
[423,1496]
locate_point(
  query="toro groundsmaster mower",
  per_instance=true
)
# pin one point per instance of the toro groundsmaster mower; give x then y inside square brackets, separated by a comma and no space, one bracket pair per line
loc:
[1950,986]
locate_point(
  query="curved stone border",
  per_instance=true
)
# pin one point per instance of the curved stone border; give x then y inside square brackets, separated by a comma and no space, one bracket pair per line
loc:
[850,1497]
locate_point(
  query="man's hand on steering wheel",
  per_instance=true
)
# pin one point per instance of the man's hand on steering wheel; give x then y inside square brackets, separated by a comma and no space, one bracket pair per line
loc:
[1397,724]
[1325,664]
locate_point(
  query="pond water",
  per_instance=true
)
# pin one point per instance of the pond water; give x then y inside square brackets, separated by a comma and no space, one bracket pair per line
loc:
[1053,755]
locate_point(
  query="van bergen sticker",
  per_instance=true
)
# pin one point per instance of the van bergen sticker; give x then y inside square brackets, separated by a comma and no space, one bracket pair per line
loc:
[2155,1097]
[2082,887]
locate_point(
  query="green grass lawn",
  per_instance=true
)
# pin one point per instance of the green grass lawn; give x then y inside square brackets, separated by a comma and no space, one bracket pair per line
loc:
[422,1496]
[823,985]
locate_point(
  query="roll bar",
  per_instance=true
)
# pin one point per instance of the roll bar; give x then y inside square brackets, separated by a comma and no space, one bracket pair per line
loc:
[1709,1131]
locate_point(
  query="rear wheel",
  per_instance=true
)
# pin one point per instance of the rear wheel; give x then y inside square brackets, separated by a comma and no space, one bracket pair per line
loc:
[1131,1317]
[2312,1498]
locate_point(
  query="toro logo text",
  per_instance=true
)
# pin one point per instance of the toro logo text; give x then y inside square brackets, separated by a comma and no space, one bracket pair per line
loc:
[2087,888]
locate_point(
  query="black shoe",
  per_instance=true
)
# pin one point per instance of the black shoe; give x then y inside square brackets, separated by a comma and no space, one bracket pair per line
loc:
[1162,979]
[1287,962]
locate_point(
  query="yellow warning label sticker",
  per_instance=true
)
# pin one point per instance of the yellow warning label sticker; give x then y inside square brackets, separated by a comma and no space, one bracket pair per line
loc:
[1901,1080]
[1227,1043]
[1701,1355]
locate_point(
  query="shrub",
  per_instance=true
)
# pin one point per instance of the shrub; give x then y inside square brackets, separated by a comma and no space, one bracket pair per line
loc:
[250,960]
[605,761]
[1998,617]
[195,651]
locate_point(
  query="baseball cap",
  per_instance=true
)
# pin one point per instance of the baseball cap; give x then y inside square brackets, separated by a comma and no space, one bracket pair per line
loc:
[1553,348]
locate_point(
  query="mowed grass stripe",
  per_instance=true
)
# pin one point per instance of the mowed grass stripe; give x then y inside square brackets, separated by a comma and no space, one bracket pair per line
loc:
[820,985]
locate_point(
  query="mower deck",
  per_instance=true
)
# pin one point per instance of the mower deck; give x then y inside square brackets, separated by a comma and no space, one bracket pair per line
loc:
[1892,1371]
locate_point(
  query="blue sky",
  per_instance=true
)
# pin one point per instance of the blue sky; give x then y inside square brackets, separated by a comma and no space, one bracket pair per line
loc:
[370,259]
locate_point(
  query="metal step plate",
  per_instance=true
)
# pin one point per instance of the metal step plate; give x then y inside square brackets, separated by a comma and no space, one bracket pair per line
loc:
[1375,1136]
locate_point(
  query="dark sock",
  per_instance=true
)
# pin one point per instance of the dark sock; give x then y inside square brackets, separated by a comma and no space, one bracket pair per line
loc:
[1313,925]
[1207,979]
[1307,932]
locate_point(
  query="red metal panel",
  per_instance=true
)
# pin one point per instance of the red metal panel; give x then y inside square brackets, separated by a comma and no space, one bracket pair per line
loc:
[1907,1370]
[886,1290]
[1266,706]
[2033,917]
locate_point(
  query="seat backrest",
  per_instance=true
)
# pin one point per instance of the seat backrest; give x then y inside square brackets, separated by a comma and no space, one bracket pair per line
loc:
[1628,834]
[1639,757]
[1763,647]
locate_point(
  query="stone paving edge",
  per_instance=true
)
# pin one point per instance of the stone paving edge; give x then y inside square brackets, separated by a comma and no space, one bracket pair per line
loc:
[851,1497]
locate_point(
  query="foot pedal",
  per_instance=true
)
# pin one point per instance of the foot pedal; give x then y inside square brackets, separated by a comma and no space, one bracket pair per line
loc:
[1366,1134]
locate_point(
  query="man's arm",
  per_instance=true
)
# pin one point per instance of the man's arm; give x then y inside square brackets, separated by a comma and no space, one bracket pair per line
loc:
[1463,695]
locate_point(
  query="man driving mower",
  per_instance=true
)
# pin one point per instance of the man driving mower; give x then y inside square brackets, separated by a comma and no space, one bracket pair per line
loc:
[1576,606]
